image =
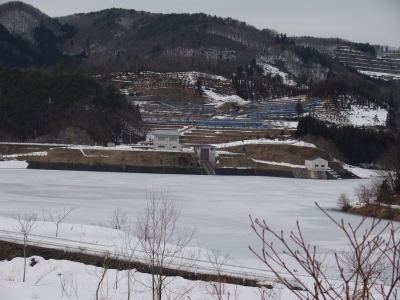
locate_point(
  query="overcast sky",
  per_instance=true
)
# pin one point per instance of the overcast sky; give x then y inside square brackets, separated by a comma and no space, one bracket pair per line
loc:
[373,21]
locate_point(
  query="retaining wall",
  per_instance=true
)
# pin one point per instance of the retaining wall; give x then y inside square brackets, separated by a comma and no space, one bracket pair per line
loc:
[254,172]
[157,170]
[114,168]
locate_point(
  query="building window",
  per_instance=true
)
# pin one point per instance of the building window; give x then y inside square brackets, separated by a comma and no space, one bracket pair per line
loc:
[322,166]
[160,146]
[161,138]
[211,149]
[316,166]
[173,139]
[174,147]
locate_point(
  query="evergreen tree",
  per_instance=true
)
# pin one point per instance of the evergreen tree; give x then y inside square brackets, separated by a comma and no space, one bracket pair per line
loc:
[299,108]
[391,115]
[239,71]
[384,194]
[253,63]
[198,88]
[391,118]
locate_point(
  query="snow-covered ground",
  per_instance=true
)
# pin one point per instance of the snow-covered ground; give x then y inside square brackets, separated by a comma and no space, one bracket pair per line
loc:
[357,116]
[360,116]
[360,172]
[213,97]
[13,164]
[217,206]
[55,279]
[269,69]
[265,142]
[277,163]
[219,100]
[387,76]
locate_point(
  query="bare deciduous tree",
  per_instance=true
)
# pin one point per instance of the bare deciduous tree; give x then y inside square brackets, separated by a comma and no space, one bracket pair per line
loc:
[344,202]
[58,217]
[44,274]
[68,283]
[118,219]
[128,251]
[366,193]
[358,275]
[373,267]
[389,168]
[269,293]
[25,225]
[217,290]
[100,274]
[162,242]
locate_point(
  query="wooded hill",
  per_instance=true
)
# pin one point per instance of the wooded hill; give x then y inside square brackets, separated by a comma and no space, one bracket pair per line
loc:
[120,40]
[126,40]
[33,104]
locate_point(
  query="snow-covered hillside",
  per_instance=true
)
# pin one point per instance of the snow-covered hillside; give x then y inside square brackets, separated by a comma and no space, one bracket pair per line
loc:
[357,116]
[21,19]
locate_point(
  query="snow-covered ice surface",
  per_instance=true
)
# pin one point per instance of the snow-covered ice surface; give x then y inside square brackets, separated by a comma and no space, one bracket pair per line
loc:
[218,206]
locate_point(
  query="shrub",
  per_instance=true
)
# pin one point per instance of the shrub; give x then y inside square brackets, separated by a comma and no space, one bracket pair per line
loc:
[344,202]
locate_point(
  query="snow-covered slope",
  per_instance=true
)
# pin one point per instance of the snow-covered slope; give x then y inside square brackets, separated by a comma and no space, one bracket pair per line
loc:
[357,116]
[20,19]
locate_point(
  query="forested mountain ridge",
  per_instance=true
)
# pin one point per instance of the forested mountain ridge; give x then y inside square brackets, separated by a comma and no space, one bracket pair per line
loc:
[126,40]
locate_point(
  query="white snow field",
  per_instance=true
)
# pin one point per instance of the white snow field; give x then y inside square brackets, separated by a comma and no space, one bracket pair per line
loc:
[217,206]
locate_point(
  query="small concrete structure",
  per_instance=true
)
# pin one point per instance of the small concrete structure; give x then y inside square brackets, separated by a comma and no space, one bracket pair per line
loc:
[205,152]
[110,144]
[166,140]
[317,167]
[316,164]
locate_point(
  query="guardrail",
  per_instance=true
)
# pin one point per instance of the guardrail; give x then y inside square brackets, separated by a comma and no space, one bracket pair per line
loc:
[23,155]
[35,144]
[197,266]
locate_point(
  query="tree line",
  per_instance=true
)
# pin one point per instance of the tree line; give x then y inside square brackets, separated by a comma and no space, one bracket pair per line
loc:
[30,101]
[358,145]
[344,90]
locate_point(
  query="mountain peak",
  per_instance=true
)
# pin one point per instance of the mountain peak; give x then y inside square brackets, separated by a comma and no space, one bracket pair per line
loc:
[20,19]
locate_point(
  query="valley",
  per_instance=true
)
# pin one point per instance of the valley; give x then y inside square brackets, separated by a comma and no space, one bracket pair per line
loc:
[159,155]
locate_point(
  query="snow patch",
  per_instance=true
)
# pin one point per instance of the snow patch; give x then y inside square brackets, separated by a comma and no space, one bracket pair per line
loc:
[13,164]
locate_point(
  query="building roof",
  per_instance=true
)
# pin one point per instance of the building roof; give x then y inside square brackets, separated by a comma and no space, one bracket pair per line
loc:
[314,158]
[166,132]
